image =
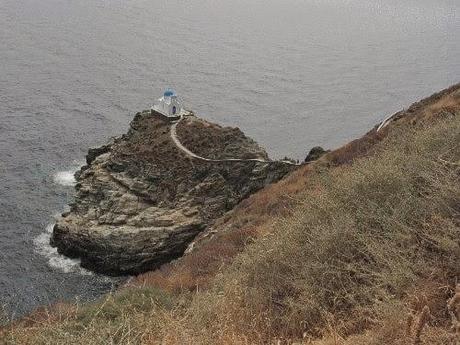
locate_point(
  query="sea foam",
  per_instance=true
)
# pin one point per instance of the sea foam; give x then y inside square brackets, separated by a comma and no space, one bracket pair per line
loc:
[42,241]
[56,260]
[65,178]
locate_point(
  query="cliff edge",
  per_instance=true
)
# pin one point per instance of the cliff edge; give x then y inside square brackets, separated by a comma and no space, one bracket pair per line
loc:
[141,200]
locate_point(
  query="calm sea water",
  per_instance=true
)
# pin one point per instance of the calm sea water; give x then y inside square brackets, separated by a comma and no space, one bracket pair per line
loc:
[290,73]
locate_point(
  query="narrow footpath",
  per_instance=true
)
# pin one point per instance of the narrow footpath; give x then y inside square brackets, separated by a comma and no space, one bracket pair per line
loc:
[189,153]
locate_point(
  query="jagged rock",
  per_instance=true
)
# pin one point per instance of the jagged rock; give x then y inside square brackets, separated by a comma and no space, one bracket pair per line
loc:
[93,153]
[315,153]
[140,201]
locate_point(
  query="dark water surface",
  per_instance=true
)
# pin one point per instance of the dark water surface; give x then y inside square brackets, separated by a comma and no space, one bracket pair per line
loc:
[290,73]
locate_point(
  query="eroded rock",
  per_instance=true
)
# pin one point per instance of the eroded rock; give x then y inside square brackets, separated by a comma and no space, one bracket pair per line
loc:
[140,200]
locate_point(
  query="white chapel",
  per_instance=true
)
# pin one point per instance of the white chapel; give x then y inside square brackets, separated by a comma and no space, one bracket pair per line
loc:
[169,104]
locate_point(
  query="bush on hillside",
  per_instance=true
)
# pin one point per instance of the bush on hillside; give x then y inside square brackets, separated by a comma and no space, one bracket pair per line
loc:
[358,240]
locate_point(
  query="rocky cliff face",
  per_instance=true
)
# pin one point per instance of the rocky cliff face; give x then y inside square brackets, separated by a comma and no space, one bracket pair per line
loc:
[140,200]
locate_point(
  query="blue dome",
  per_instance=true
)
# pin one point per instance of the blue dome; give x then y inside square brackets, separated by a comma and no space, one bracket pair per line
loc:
[169,93]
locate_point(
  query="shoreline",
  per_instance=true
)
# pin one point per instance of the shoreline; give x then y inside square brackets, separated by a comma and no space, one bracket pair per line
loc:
[251,214]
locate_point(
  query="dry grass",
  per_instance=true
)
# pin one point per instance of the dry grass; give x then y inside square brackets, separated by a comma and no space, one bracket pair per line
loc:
[253,216]
[250,219]
[453,306]
[127,317]
[359,248]
[376,229]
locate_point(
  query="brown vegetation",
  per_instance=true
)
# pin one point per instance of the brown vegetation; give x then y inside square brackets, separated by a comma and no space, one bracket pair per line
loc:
[453,306]
[338,252]
[254,216]
[217,142]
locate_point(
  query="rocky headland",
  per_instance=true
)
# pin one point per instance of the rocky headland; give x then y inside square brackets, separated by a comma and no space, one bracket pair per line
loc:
[141,200]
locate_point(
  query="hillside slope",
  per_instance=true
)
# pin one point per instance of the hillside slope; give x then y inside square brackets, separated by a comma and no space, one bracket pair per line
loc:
[361,247]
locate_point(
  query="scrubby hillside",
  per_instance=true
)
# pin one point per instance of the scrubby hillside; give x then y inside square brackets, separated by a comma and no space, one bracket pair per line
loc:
[361,247]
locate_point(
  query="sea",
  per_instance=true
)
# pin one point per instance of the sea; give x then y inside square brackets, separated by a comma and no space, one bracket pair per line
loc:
[292,74]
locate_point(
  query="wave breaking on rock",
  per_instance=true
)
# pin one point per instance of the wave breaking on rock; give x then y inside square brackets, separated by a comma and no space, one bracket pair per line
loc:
[140,200]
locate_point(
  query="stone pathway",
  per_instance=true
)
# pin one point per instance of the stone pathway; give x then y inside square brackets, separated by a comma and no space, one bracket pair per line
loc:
[189,153]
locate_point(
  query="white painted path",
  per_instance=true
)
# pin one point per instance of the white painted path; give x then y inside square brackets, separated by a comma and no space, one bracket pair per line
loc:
[385,122]
[189,153]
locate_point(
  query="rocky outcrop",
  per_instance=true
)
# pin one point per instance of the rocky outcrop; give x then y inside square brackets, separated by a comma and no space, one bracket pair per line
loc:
[140,200]
[315,153]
